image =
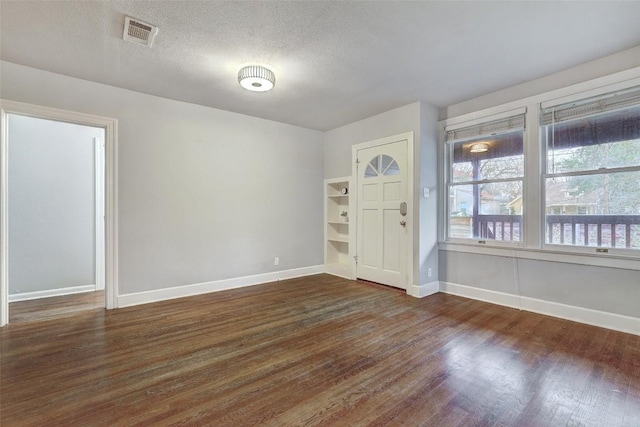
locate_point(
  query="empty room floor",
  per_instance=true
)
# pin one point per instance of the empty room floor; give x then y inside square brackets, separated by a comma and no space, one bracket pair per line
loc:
[55,307]
[317,350]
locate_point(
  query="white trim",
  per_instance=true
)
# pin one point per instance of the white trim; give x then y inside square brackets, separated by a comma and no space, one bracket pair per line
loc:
[589,316]
[494,297]
[51,293]
[111,188]
[4,226]
[562,256]
[454,124]
[485,243]
[579,96]
[111,215]
[411,220]
[424,290]
[99,213]
[443,195]
[156,295]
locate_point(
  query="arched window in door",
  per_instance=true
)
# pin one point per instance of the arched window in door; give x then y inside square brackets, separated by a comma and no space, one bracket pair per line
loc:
[381,165]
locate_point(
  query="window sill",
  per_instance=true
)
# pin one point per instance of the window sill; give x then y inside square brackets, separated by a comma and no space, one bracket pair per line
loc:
[552,255]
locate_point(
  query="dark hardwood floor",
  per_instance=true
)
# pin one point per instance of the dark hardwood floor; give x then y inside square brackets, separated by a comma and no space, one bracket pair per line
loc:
[55,307]
[317,351]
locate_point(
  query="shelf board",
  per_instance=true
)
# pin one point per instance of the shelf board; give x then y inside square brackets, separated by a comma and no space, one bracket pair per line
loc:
[339,239]
[337,249]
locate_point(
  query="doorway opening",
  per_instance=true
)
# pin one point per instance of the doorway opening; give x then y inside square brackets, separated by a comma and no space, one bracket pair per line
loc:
[58,212]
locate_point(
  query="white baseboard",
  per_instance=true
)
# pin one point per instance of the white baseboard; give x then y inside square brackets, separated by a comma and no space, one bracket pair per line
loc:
[426,289]
[494,297]
[589,316]
[156,295]
[51,293]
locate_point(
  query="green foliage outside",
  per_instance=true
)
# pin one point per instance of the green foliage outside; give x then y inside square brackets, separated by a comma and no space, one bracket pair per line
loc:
[615,193]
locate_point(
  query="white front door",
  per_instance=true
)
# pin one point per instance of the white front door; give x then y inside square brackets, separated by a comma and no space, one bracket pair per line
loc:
[383,214]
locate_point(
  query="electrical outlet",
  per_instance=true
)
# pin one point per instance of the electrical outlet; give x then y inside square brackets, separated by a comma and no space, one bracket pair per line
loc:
[425,192]
[276,261]
[429,272]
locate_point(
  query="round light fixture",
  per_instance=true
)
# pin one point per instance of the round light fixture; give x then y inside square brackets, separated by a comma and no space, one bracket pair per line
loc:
[256,78]
[480,147]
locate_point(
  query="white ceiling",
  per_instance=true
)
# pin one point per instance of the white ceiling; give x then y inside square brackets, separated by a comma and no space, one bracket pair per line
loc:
[335,62]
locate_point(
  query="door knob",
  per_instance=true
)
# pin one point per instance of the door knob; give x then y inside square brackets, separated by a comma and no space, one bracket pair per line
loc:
[403,223]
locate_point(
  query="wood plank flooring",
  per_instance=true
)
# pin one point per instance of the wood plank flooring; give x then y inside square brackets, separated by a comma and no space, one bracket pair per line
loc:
[55,307]
[317,351]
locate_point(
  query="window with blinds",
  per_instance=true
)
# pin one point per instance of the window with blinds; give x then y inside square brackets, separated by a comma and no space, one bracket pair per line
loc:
[485,180]
[491,128]
[592,172]
[591,106]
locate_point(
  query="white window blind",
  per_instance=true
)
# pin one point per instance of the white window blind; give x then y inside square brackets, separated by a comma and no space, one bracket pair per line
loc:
[490,128]
[591,106]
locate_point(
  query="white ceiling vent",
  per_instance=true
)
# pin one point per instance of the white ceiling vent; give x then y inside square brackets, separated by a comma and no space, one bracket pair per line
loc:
[139,32]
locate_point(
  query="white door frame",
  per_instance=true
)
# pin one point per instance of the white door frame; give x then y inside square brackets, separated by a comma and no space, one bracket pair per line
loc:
[110,193]
[99,172]
[411,216]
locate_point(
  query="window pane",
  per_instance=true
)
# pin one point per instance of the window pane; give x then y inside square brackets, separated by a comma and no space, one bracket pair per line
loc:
[609,140]
[462,171]
[498,215]
[370,172]
[601,210]
[495,157]
[393,169]
[384,162]
[374,163]
[388,166]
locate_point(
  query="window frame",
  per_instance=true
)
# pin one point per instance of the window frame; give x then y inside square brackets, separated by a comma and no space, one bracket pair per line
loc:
[533,245]
[556,247]
[449,183]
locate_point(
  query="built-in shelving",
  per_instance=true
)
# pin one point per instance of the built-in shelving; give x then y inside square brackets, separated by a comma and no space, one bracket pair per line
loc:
[337,252]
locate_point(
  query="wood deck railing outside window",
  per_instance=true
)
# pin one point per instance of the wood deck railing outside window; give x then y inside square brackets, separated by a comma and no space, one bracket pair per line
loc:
[614,231]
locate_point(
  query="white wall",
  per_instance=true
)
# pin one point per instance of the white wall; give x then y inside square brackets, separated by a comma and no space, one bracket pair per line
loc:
[204,194]
[428,234]
[612,290]
[611,64]
[421,119]
[51,204]
[338,142]
[597,288]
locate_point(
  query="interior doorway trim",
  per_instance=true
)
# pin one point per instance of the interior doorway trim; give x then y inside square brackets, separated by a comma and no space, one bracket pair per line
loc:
[110,192]
[413,220]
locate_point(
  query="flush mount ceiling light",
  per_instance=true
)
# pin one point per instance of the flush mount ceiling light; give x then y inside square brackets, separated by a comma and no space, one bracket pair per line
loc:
[256,78]
[480,147]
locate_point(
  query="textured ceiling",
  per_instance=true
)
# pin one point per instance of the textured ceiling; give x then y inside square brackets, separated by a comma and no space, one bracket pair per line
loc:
[335,62]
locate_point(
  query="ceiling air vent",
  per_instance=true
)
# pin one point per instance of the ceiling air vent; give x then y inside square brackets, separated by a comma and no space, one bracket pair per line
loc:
[139,32]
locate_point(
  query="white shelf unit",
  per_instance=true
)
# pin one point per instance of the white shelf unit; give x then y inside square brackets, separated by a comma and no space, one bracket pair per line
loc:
[338,233]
